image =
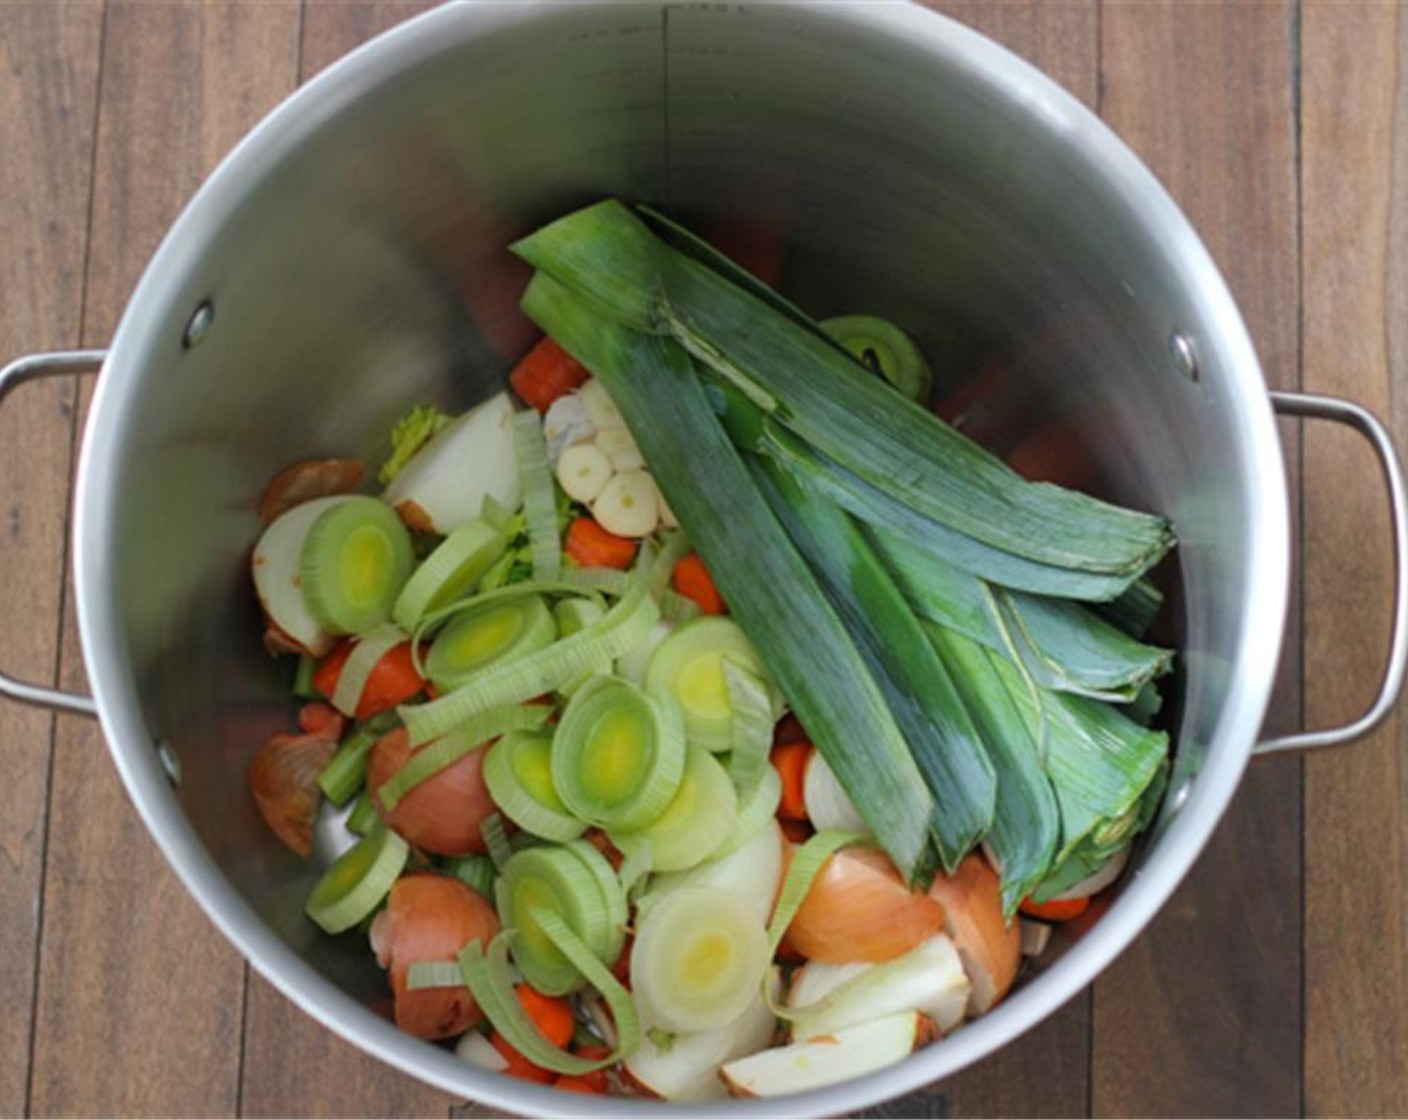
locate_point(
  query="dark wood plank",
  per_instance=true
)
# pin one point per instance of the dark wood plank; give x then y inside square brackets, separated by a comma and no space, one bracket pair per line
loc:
[1202,1015]
[1046,1072]
[140,999]
[293,1065]
[1354,129]
[48,98]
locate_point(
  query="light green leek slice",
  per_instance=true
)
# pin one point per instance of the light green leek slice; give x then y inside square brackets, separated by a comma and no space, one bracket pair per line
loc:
[618,754]
[553,877]
[523,678]
[699,957]
[885,350]
[698,819]
[366,652]
[357,881]
[496,841]
[1026,825]
[807,862]
[303,679]
[450,572]
[539,494]
[518,772]
[434,974]
[355,560]
[486,632]
[750,734]
[919,688]
[688,666]
[755,810]
[470,735]
[768,586]
[605,255]
[489,977]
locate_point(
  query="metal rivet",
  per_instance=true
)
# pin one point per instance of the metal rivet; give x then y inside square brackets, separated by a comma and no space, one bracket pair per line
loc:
[1185,358]
[1179,797]
[198,326]
[170,764]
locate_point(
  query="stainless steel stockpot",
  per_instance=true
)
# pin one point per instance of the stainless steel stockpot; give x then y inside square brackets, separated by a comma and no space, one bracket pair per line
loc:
[348,258]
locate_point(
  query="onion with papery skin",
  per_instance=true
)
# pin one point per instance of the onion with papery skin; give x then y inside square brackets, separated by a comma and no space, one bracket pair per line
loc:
[859,909]
[283,777]
[309,479]
[990,948]
[430,917]
[442,814]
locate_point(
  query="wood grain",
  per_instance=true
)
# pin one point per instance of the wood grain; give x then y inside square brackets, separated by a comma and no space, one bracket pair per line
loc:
[140,999]
[1201,1016]
[48,97]
[293,1066]
[1355,290]
[1046,1072]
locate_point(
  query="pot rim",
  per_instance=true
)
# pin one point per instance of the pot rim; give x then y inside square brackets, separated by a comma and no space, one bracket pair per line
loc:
[116,411]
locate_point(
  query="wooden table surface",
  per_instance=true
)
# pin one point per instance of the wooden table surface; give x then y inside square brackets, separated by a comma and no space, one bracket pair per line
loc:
[1276,980]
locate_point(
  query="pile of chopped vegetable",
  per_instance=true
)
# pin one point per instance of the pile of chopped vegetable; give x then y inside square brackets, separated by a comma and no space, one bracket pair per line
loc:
[704,725]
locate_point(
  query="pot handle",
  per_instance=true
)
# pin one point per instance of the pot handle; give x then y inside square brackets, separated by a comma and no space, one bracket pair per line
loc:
[13,375]
[1369,426]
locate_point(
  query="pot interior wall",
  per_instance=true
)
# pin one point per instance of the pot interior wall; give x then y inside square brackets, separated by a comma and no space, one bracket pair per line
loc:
[367,271]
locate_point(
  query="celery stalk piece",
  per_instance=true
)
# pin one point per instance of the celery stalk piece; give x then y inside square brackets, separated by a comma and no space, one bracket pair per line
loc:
[770,589]
[921,693]
[611,259]
[1026,825]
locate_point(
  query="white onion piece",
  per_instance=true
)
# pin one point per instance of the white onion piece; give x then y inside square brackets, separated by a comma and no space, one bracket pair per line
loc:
[446,481]
[1036,936]
[477,1050]
[929,979]
[566,423]
[753,872]
[600,408]
[626,505]
[853,1052]
[667,515]
[1094,884]
[688,1070]
[828,805]
[583,472]
[275,565]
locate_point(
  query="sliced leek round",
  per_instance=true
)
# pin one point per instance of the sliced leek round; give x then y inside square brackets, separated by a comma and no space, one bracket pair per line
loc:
[357,881]
[355,560]
[490,632]
[518,772]
[698,959]
[696,822]
[883,348]
[618,754]
[552,878]
[450,572]
[688,666]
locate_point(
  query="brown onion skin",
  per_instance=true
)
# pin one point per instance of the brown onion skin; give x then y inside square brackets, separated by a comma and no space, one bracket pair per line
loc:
[990,946]
[283,778]
[442,814]
[431,917]
[859,909]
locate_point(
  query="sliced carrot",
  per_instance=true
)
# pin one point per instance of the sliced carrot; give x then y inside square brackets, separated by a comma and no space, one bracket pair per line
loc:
[1057,910]
[518,1065]
[312,478]
[393,680]
[545,373]
[692,580]
[591,546]
[790,761]
[593,1083]
[551,1015]
[592,1051]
